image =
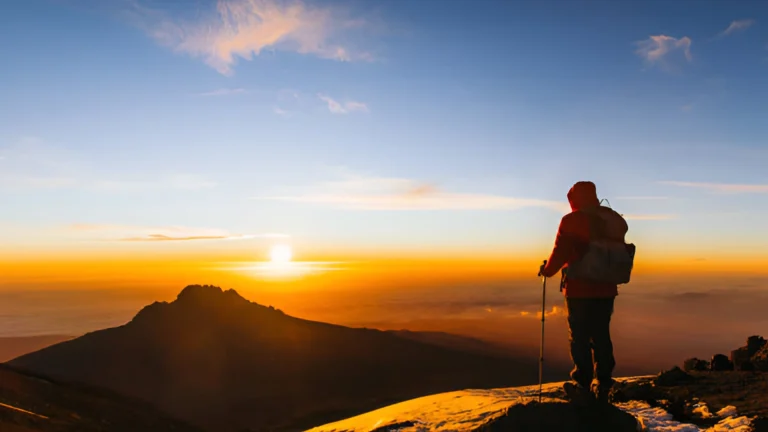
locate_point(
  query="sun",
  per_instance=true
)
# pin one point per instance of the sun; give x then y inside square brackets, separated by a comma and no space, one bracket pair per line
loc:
[280,254]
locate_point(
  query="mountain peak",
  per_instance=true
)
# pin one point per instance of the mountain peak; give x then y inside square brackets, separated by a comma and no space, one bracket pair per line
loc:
[194,300]
[208,294]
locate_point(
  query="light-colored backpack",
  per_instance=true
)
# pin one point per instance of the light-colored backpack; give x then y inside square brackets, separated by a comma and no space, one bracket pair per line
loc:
[609,259]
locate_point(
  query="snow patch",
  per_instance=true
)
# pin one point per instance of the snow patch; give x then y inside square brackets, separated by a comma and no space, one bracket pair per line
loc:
[655,419]
[729,411]
[702,410]
[659,420]
[453,411]
[732,424]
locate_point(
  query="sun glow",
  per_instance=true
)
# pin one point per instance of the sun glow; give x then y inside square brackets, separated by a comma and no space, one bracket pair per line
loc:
[280,254]
[281,266]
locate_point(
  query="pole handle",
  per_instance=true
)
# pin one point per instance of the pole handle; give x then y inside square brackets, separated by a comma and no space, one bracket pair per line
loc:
[543,316]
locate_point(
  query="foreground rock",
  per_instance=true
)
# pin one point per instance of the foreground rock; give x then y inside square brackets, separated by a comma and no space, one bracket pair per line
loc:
[563,417]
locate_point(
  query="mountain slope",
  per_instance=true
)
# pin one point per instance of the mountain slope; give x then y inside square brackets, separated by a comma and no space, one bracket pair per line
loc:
[448,340]
[222,362]
[30,403]
[12,347]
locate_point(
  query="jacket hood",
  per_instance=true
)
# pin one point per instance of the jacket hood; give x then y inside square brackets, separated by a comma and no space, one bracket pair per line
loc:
[583,194]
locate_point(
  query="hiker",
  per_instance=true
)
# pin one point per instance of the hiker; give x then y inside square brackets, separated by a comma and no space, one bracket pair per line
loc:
[589,301]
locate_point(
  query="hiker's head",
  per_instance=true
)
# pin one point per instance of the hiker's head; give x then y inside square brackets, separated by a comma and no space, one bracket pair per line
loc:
[583,194]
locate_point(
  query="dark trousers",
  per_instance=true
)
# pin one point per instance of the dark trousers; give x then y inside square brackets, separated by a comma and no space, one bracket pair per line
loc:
[589,322]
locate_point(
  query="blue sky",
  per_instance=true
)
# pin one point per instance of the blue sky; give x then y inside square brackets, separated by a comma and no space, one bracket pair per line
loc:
[395,125]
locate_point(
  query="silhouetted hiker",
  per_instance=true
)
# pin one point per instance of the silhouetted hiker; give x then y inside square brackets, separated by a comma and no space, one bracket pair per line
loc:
[590,247]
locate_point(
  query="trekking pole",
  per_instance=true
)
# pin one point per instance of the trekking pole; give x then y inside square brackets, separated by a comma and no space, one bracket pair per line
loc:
[543,314]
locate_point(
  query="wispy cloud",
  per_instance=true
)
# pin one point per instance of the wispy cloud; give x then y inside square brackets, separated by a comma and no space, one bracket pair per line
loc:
[381,193]
[641,198]
[31,163]
[736,26]
[163,237]
[281,112]
[246,28]
[343,107]
[23,181]
[649,217]
[665,51]
[290,102]
[127,233]
[177,181]
[224,92]
[722,187]
[556,311]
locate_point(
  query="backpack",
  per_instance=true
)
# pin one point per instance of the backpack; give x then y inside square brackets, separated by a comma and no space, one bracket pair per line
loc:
[607,260]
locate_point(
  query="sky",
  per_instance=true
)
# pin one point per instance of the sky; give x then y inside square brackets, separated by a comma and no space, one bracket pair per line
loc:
[203,132]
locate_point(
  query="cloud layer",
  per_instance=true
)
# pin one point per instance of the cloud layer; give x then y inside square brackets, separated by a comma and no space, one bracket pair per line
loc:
[722,187]
[246,28]
[382,193]
[649,217]
[127,233]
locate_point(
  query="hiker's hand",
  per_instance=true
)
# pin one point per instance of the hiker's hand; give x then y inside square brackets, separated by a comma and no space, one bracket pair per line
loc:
[541,269]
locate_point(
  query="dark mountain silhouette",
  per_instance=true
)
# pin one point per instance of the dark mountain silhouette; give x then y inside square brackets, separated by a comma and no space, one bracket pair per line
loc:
[219,361]
[32,403]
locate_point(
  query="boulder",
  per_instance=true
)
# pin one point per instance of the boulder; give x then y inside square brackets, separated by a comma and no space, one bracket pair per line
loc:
[755,344]
[760,359]
[694,364]
[562,417]
[672,377]
[720,363]
[740,358]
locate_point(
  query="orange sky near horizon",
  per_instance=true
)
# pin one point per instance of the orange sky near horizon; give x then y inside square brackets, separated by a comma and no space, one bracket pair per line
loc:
[85,270]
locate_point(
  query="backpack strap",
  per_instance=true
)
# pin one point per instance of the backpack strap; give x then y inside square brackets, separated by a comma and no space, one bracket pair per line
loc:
[597,225]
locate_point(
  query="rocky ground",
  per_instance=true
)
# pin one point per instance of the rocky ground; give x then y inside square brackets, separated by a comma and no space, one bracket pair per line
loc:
[695,397]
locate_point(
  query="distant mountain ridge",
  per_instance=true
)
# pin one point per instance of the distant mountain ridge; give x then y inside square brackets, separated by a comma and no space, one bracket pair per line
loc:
[224,363]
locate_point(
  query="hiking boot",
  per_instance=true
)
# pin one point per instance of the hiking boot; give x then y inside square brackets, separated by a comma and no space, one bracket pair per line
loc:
[578,394]
[602,391]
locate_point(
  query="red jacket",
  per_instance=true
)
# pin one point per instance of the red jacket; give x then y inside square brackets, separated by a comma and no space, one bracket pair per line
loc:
[573,237]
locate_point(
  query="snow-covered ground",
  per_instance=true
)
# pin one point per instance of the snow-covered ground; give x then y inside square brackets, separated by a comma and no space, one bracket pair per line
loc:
[469,409]
[658,420]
